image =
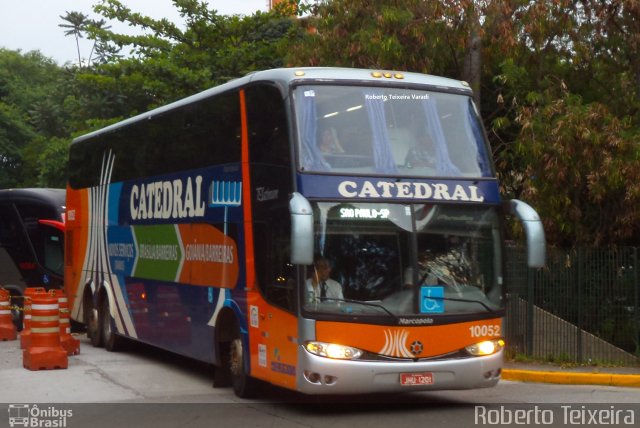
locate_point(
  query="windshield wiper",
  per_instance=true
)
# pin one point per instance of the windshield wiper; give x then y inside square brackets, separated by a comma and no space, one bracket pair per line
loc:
[360,302]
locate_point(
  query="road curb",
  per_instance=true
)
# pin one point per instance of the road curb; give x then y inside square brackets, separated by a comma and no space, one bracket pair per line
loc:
[603,379]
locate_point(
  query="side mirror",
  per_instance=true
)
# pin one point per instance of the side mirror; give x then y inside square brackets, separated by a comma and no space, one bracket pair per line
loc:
[536,244]
[301,230]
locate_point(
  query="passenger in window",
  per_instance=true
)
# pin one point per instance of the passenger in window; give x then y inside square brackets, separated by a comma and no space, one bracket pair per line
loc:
[320,287]
[329,142]
[422,154]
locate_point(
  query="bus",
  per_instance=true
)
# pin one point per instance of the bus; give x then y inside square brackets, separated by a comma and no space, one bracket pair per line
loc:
[194,228]
[31,242]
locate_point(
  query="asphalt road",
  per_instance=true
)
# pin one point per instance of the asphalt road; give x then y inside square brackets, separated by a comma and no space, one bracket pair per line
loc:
[143,386]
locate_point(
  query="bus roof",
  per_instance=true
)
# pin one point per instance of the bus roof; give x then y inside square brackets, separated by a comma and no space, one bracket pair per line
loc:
[55,197]
[336,74]
[310,75]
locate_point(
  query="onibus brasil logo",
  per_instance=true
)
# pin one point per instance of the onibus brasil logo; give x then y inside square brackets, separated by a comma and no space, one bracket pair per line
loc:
[28,415]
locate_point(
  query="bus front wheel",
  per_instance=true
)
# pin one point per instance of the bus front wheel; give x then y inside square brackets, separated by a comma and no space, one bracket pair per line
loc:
[244,385]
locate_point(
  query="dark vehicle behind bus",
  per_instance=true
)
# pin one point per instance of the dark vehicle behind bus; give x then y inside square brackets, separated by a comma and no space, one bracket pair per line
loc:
[31,242]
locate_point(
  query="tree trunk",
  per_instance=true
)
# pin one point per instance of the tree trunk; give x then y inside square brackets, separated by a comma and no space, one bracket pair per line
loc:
[472,69]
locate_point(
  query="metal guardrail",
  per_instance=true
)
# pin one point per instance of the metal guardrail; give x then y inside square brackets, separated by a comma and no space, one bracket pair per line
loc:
[582,307]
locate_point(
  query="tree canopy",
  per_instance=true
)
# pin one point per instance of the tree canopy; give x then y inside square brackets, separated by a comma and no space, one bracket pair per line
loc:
[557,83]
[31,112]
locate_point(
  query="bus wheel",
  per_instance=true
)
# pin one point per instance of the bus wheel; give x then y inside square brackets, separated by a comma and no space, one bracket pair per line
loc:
[93,330]
[244,385]
[111,341]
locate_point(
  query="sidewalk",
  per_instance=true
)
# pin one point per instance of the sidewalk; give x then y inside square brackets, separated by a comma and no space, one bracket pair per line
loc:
[579,375]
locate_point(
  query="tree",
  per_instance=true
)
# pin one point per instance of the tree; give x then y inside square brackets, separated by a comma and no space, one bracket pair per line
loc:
[77,24]
[428,36]
[167,62]
[100,49]
[14,135]
[591,155]
[559,83]
[564,118]
[31,112]
[134,73]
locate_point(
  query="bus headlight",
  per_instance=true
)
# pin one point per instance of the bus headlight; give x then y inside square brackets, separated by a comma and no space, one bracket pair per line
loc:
[332,350]
[487,347]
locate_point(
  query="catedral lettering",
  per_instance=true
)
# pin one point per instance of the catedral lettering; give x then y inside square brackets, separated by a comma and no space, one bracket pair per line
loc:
[167,200]
[413,190]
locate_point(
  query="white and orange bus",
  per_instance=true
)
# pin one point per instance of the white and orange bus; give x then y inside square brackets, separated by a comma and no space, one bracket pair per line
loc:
[194,228]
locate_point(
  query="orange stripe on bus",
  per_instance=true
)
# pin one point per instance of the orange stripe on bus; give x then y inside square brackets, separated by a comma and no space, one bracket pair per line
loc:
[246,195]
[76,241]
[394,340]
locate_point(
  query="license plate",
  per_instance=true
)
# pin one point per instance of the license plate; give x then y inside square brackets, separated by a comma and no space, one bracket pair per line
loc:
[416,379]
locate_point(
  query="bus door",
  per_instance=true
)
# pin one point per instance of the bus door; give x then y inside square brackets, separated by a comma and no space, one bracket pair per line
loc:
[274,314]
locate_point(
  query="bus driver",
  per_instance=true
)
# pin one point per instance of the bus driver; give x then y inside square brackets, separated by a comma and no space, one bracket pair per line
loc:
[319,286]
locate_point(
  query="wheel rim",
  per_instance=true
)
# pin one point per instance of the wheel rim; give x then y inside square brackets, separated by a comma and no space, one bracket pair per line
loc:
[93,321]
[106,322]
[235,363]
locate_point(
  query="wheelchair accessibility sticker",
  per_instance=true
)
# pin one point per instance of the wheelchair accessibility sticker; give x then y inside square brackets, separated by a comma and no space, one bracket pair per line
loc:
[431,299]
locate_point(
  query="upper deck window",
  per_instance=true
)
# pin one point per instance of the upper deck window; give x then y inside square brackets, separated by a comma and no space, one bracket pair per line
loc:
[389,131]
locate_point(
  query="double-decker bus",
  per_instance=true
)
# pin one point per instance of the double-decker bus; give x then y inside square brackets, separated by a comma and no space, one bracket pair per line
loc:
[194,227]
[31,242]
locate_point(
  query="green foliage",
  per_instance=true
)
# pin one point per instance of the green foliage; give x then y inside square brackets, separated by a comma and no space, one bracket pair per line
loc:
[30,114]
[168,62]
[15,133]
[583,170]
[52,161]
[397,35]
[565,117]
[560,85]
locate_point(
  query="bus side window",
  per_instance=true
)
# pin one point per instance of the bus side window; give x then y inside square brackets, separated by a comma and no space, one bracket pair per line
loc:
[47,241]
[53,249]
[8,227]
[15,242]
[269,141]
[271,169]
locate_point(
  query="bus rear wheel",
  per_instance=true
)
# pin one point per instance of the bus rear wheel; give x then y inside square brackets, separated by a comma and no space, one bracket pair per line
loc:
[111,341]
[92,320]
[244,385]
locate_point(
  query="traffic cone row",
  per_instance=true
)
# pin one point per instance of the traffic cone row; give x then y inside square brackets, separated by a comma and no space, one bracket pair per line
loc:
[46,335]
[25,334]
[44,350]
[68,342]
[7,328]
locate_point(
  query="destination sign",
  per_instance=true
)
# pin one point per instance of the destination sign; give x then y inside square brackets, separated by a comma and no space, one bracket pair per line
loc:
[364,213]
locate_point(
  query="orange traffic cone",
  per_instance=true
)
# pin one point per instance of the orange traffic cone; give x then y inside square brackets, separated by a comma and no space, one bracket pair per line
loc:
[44,351]
[7,328]
[25,334]
[68,342]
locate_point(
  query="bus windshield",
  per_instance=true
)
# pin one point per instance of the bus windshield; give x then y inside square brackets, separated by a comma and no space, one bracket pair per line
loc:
[389,131]
[407,260]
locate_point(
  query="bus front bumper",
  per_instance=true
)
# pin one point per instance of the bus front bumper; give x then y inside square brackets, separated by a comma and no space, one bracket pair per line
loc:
[319,375]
